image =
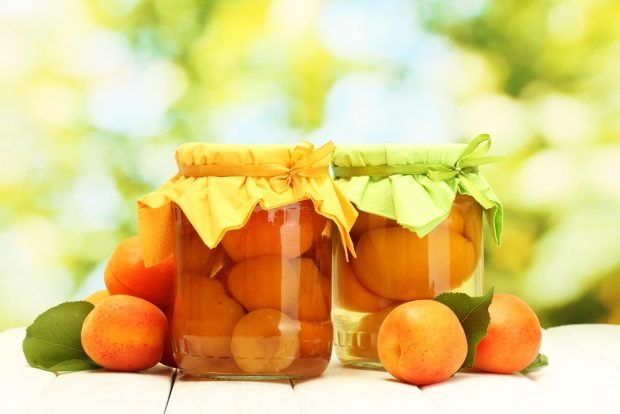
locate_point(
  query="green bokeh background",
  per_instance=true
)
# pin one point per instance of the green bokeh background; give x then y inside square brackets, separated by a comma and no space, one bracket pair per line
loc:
[96,95]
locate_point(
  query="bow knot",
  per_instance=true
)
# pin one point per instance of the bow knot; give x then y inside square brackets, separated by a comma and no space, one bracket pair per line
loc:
[303,164]
[303,160]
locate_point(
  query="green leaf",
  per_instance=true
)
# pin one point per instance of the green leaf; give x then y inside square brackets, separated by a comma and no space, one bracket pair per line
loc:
[540,361]
[473,312]
[53,341]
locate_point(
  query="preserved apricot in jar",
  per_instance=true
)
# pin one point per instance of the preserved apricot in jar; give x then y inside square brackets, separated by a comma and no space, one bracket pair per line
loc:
[353,295]
[282,231]
[204,316]
[265,341]
[293,287]
[394,263]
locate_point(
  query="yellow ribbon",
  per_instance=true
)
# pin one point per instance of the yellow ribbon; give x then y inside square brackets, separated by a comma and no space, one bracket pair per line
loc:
[303,160]
[472,157]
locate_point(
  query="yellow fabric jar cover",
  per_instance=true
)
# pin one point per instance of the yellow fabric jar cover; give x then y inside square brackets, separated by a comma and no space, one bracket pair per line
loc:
[218,186]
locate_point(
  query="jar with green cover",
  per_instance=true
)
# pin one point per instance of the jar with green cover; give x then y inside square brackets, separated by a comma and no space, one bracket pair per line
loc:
[418,233]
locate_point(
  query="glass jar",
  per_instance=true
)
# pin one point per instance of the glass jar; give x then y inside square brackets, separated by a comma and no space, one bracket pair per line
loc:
[250,229]
[418,233]
[393,266]
[257,306]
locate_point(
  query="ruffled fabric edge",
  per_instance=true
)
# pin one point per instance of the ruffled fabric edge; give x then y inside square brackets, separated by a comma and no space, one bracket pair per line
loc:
[215,205]
[433,199]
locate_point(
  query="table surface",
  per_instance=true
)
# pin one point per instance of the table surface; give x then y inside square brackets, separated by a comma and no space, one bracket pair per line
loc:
[583,377]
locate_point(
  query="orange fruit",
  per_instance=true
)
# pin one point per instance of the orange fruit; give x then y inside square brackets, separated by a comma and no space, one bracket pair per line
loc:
[293,287]
[394,262]
[422,342]
[205,316]
[513,337]
[351,294]
[287,231]
[125,273]
[124,333]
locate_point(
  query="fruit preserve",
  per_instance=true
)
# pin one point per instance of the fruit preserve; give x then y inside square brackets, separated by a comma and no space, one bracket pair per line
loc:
[418,234]
[251,230]
[259,302]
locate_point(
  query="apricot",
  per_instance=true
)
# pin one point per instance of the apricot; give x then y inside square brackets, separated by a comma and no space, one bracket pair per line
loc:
[422,342]
[513,337]
[351,294]
[366,221]
[257,282]
[315,339]
[97,296]
[293,287]
[311,303]
[265,341]
[205,316]
[125,273]
[287,231]
[394,263]
[124,333]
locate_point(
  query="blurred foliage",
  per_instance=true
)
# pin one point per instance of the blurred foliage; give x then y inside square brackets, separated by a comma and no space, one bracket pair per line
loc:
[97,94]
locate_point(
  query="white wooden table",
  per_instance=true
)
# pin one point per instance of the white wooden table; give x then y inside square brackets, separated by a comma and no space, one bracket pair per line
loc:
[583,377]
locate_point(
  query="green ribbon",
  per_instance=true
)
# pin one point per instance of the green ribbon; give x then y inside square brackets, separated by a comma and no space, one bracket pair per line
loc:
[472,157]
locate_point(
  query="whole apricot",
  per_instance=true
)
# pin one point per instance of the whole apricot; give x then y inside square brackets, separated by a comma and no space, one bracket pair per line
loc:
[422,342]
[395,263]
[287,231]
[124,333]
[125,273]
[513,337]
[265,341]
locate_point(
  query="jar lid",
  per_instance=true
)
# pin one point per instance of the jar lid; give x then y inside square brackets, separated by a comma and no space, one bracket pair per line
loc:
[218,186]
[417,184]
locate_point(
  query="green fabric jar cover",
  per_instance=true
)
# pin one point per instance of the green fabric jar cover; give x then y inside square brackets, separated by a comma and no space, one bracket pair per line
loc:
[416,184]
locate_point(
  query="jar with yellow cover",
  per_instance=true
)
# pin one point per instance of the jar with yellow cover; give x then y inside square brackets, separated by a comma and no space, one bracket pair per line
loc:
[250,228]
[418,234]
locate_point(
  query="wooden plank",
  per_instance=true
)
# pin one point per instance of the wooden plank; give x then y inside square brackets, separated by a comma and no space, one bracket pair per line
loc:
[213,396]
[343,390]
[106,392]
[584,379]
[20,386]
[486,393]
[19,383]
